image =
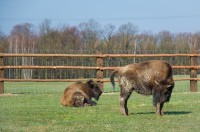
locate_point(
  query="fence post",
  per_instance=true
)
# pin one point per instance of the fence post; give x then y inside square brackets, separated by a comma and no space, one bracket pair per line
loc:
[99,73]
[193,74]
[1,72]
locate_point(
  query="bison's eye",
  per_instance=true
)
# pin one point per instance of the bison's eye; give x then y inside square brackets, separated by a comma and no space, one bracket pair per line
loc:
[166,93]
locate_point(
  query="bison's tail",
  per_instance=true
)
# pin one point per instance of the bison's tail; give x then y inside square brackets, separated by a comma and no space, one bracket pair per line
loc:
[112,80]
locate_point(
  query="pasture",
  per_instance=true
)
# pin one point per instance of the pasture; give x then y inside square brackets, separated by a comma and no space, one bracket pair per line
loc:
[35,107]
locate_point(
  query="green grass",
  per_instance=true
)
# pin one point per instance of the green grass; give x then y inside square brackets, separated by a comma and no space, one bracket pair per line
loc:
[35,107]
[42,112]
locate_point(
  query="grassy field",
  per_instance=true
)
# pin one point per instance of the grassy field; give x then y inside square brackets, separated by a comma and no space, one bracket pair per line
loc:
[35,107]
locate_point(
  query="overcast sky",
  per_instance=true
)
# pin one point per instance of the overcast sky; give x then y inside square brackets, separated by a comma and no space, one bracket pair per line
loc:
[149,15]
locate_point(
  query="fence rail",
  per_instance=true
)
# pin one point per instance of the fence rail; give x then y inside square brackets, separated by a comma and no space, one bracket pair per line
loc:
[99,67]
[98,55]
[82,67]
[75,80]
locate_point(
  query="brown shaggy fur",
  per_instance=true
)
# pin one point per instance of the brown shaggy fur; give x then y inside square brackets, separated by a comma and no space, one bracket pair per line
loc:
[80,94]
[147,78]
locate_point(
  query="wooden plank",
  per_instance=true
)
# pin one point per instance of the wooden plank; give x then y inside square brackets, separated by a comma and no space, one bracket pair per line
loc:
[96,55]
[83,67]
[81,79]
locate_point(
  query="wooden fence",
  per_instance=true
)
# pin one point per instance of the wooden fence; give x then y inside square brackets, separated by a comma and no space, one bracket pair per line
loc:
[99,67]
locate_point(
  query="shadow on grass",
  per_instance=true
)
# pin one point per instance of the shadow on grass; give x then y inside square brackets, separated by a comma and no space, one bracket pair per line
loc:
[166,113]
[177,112]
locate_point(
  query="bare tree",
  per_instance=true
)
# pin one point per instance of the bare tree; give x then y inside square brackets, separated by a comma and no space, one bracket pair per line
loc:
[127,33]
[71,38]
[90,33]
[181,43]
[108,35]
[44,39]
[166,41]
[45,27]
[22,40]
[3,41]
[193,42]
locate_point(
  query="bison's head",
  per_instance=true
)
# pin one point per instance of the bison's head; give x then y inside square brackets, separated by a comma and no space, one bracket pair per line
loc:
[95,89]
[167,88]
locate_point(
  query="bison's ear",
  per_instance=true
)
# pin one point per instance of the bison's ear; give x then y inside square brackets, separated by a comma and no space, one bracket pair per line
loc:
[90,83]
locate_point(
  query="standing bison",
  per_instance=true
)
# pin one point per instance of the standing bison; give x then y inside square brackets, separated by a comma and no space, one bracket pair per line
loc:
[80,94]
[147,78]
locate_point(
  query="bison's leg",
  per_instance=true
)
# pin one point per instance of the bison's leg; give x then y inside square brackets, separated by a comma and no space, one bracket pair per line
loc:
[158,102]
[124,95]
[79,100]
[89,102]
[159,110]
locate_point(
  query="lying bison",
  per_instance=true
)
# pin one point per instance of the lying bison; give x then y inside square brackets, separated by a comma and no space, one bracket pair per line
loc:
[80,94]
[148,78]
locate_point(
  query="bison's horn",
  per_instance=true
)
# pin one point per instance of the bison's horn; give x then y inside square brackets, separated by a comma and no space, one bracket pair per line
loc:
[156,82]
[168,86]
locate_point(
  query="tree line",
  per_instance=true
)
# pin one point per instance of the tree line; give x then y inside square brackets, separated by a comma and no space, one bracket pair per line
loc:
[88,37]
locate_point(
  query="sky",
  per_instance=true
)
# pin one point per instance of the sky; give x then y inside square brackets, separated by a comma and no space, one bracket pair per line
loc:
[148,15]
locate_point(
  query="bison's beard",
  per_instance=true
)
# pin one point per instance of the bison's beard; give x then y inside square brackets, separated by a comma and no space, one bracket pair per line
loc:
[97,97]
[161,97]
[167,95]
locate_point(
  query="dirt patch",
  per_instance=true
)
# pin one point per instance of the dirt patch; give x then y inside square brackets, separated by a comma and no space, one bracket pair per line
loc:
[8,94]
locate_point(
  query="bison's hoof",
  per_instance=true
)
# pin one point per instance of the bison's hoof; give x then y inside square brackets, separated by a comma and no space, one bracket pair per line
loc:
[86,104]
[124,113]
[160,114]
